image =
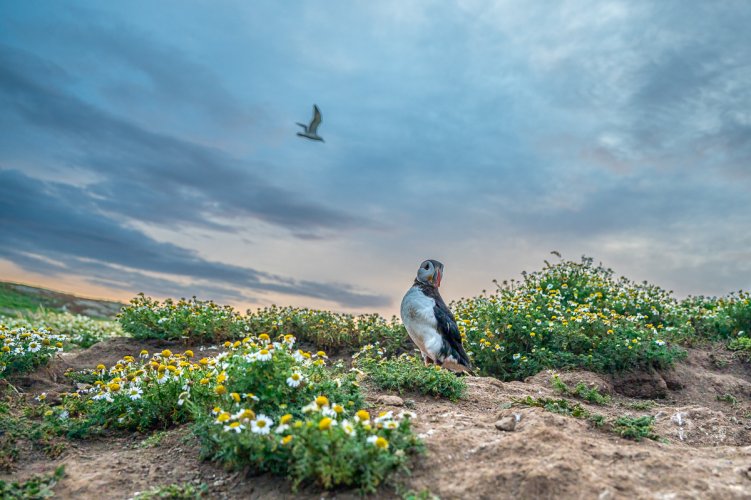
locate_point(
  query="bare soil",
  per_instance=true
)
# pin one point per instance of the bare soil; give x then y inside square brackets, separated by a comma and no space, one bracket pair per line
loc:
[705,451]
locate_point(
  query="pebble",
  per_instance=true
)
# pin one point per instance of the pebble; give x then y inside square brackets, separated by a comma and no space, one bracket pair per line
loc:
[507,424]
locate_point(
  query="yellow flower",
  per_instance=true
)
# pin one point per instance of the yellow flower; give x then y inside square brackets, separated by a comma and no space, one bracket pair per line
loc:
[221,377]
[220,389]
[236,397]
[297,424]
[227,344]
[188,354]
[338,409]
[203,381]
[101,367]
[223,417]
[381,443]
[286,439]
[324,424]
[166,353]
[285,419]
[248,414]
[321,354]
[204,361]
[264,336]
[114,386]
[532,334]
[322,401]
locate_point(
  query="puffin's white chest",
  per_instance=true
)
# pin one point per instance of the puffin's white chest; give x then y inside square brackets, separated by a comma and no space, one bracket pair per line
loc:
[419,319]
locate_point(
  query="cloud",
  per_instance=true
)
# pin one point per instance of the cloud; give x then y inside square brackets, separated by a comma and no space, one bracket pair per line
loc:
[62,223]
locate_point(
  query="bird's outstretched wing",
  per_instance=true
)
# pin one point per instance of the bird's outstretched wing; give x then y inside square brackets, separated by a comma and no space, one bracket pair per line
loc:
[316,120]
[302,125]
[450,332]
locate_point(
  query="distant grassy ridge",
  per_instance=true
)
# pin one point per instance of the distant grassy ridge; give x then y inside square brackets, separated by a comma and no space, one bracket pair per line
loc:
[17,297]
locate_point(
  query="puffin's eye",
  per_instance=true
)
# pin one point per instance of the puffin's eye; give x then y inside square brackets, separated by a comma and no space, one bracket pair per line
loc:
[427,265]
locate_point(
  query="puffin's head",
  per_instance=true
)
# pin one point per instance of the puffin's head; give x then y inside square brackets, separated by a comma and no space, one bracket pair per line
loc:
[430,273]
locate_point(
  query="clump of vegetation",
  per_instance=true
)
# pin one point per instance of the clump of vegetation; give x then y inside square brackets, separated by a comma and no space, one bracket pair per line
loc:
[741,346]
[23,425]
[408,373]
[206,321]
[568,315]
[560,406]
[728,398]
[35,488]
[580,391]
[328,330]
[146,318]
[330,446]
[78,330]
[635,428]
[702,318]
[185,491]
[24,349]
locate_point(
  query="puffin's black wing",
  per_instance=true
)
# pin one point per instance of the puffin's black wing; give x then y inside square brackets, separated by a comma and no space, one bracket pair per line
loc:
[449,331]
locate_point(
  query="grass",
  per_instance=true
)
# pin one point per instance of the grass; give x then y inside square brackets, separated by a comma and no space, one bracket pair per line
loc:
[12,299]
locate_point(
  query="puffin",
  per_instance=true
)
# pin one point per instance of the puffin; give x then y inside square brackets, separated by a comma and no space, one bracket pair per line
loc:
[429,321]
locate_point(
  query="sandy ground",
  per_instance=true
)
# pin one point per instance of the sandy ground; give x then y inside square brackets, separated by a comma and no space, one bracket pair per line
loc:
[705,452]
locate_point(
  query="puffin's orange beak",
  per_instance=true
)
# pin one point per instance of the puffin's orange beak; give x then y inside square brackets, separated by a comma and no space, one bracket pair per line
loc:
[438,277]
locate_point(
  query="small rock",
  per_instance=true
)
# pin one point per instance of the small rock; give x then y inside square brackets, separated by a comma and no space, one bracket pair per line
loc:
[390,400]
[507,424]
[218,483]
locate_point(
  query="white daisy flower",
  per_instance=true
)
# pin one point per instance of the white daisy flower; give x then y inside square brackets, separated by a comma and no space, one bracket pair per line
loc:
[135,393]
[261,425]
[348,428]
[391,425]
[372,439]
[234,427]
[282,428]
[264,355]
[295,380]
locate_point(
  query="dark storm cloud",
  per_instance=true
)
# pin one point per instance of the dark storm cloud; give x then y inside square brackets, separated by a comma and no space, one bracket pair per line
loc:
[62,223]
[147,175]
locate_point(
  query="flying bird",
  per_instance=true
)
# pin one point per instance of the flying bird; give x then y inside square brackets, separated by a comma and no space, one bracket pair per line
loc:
[429,322]
[311,130]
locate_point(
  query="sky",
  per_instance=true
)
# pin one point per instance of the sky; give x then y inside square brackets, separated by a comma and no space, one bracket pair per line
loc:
[151,146]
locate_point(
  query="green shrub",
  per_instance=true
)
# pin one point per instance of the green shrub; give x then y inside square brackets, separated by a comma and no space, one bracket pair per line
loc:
[331,446]
[25,349]
[568,315]
[328,330]
[408,373]
[77,329]
[742,347]
[146,318]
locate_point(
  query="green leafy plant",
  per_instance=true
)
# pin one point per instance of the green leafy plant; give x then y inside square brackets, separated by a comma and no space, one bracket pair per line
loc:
[330,446]
[35,488]
[185,491]
[635,428]
[568,315]
[23,349]
[408,373]
[580,391]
